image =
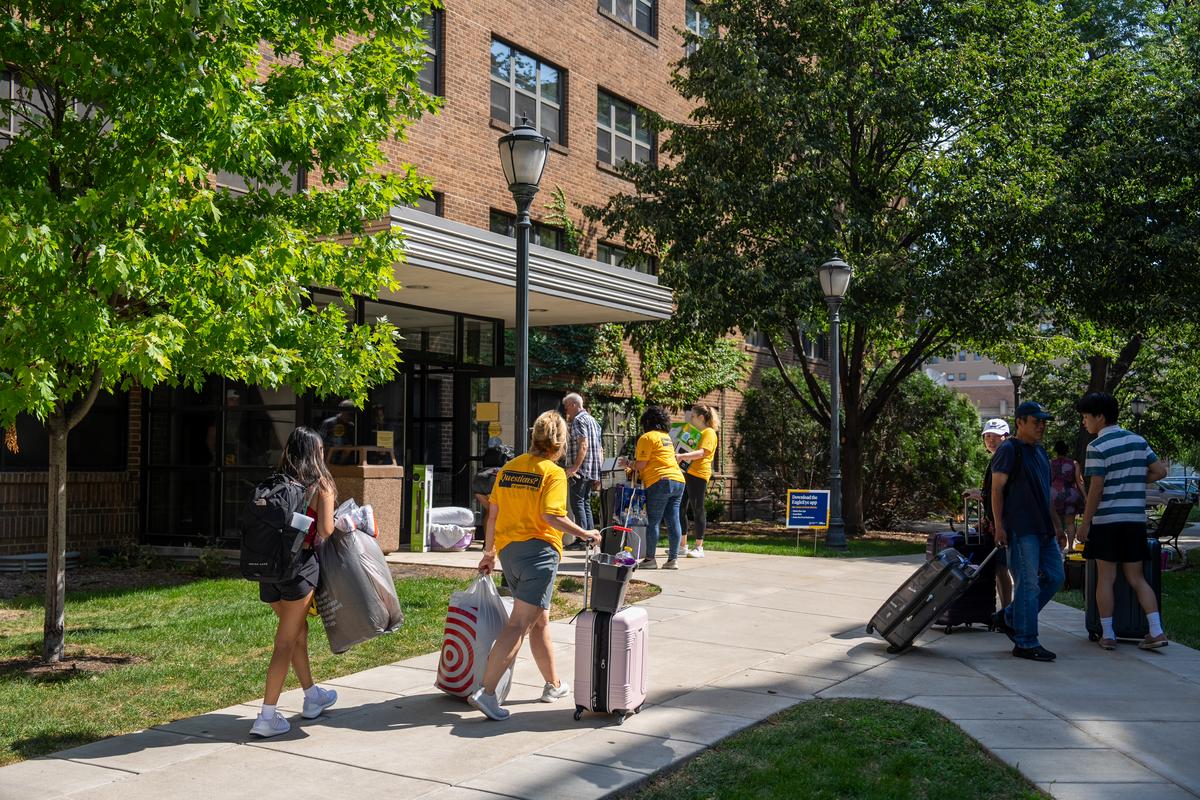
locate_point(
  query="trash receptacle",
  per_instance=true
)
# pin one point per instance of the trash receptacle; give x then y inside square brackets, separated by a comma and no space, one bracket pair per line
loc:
[372,477]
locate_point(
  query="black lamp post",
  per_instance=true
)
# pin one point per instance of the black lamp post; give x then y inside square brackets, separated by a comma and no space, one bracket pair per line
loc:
[1138,407]
[1017,373]
[523,154]
[834,276]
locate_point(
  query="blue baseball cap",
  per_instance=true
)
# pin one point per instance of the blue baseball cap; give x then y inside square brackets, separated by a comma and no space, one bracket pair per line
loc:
[1032,409]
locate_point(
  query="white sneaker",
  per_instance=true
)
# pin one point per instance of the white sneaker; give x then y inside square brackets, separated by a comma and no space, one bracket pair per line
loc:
[267,728]
[313,708]
[696,552]
[488,704]
[551,692]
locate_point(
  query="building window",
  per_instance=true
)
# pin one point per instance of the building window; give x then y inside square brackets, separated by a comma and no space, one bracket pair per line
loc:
[815,348]
[430,76]
[622,132]
[696,22]
[296,182]
[754,338]
[524,86]
[6,116]
[949,376]
[620,257]
[431,204]
[99,443]
[544,235]
[637,13]
[962,376]
[977,357]
[962,355]
[933,360]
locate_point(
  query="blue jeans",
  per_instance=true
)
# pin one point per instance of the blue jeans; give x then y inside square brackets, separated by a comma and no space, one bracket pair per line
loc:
[581,502]
[1036,564]
[662,504]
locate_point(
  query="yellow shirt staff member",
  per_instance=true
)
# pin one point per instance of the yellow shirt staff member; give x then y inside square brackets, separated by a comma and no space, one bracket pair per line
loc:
[699,473]
[527,516]
[656,464]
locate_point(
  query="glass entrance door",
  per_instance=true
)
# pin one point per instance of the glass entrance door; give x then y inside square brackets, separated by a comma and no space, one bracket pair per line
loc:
[431,432]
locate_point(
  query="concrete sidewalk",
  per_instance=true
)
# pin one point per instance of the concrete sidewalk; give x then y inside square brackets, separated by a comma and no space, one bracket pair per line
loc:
[735,638]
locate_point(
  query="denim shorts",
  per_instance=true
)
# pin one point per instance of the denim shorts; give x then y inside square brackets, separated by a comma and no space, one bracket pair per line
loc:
[529,569]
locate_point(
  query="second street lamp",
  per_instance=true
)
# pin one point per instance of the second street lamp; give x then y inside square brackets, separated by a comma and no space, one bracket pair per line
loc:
[1138,407]
[1017,373]
[523,154]
[834,276]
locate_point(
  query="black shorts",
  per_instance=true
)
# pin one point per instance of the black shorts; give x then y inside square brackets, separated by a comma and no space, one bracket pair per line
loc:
[1118,542]
[297,588]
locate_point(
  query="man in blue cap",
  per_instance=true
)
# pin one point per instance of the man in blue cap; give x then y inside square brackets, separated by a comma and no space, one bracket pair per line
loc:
[1027,526]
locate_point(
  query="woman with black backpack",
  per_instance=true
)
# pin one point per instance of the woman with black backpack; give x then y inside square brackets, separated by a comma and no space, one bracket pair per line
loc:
[303,461]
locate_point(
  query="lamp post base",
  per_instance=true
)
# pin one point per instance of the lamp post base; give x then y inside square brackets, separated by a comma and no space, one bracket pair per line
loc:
[835,536]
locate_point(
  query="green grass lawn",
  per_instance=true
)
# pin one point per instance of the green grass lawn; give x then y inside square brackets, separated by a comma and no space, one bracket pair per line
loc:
[845,749]
[192,649]
[1180,604]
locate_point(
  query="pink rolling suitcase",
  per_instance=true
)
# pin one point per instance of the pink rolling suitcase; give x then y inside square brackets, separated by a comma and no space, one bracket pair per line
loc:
[610,662]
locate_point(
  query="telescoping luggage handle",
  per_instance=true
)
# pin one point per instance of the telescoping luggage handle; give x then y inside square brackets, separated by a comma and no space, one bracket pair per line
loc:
[968,537]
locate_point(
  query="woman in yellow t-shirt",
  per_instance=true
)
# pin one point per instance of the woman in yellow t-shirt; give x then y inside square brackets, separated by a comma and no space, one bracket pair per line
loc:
[654,460]
[699,473]
[526,518]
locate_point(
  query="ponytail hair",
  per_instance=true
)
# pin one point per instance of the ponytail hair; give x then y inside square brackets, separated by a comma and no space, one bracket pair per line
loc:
[711,418]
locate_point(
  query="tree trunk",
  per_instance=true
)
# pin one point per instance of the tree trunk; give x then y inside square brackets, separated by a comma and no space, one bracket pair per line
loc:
[56,540]
[852,477]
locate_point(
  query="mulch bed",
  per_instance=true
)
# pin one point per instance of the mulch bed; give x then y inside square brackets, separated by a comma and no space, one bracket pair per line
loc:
[759,527]
[76,662]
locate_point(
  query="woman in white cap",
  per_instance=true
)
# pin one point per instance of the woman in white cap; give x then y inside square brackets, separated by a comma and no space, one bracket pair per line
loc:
[995,431]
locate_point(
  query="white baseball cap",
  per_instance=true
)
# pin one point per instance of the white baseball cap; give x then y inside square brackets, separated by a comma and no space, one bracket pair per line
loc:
[997,426]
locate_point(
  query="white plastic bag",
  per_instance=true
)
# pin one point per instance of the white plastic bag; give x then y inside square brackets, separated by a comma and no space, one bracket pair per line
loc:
[448,538]
[356,597]
[473,622]
[451,515]
[350,516]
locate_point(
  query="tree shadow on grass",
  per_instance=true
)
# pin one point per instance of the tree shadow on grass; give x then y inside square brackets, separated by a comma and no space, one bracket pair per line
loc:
[76,663]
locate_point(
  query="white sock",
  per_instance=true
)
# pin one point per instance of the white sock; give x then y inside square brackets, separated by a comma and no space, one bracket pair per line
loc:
[1155,624]
[312,693]
[266,712]
[1106,624]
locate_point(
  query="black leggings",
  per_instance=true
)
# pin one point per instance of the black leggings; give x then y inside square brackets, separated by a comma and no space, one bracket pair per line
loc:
[693,500]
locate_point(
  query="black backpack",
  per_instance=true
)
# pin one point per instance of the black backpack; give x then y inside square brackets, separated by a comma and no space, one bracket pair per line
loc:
[271,547]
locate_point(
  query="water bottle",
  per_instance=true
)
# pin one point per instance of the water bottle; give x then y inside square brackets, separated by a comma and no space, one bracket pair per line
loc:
[626,557]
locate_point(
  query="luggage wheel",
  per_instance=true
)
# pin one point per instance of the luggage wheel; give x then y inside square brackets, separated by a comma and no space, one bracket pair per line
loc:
[1093,637]
[621,718]
[870,628]
[949,629]
[578,713]
[893,649]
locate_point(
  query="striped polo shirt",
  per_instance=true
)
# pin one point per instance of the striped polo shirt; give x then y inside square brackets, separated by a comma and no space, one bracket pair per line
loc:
[1121,458]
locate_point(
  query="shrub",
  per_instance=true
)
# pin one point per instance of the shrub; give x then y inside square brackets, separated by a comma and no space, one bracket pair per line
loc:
[923,451]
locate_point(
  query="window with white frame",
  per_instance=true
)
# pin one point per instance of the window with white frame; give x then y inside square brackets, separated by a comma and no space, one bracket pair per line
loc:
[621,257]
[539,234]
[430,76]
[696,22]
[525,86]
[637,13]
[622,132]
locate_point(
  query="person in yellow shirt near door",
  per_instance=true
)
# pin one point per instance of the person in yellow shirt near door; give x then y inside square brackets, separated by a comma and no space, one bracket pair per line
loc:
[526,518]
[696,477]
[654,460]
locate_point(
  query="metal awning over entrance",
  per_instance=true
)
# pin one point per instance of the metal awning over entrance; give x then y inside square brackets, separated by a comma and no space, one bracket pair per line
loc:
[454,267]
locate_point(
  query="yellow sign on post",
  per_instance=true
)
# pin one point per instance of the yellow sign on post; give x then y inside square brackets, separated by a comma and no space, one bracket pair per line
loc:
[493,429]
[385,439]
[487,412]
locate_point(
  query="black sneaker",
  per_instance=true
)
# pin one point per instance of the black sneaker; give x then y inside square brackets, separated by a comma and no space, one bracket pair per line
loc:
[1038,653]
[1001,624]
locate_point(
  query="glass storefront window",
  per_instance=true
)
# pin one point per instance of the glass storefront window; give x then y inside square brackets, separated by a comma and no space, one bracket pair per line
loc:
[479,341]
[424,331]
[322,299]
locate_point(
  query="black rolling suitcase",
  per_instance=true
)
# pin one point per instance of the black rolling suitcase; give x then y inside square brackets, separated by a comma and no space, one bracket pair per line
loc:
[1129,621]
[924,597]
[977,605]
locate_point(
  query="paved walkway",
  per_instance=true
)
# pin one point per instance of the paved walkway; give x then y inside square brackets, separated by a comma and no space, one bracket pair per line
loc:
[734,639]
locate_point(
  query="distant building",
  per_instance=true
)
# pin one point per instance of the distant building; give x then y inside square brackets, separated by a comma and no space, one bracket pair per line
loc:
[984,382]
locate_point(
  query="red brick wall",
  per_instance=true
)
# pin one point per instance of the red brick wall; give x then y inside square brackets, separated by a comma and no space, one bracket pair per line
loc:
[103,508]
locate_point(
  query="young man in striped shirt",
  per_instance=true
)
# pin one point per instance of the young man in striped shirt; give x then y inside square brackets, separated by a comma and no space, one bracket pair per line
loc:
[1119,465]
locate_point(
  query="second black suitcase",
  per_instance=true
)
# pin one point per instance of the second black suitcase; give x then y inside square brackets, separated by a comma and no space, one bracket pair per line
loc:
[1129,621]
[977,605]
[924,597]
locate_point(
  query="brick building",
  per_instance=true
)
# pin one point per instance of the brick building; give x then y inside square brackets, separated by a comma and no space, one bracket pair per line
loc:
[173,466]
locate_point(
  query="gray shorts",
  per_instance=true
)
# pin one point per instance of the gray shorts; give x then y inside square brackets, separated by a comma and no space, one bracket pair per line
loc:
[530,568]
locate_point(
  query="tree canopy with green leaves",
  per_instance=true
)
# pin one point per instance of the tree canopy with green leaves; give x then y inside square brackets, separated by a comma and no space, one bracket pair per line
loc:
[912,139]
[122,263]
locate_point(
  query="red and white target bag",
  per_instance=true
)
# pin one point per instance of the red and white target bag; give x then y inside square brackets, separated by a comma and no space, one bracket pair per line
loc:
[473,622]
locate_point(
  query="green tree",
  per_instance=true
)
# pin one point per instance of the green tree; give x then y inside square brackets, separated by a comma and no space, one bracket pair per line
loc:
[912,139]
[121,264]
[921,455]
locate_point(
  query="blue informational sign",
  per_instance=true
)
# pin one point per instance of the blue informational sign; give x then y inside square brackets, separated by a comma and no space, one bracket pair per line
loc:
[808,508]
